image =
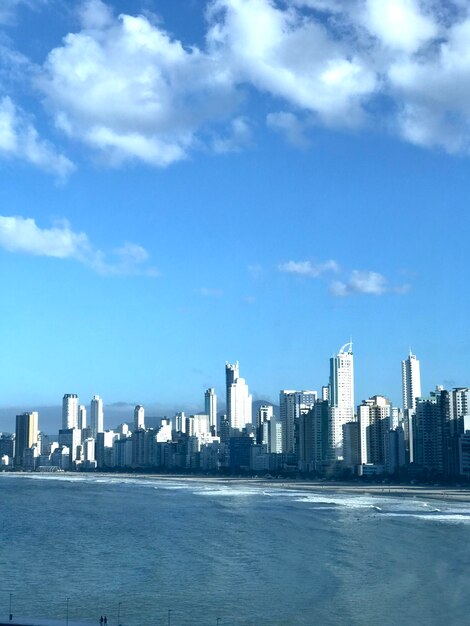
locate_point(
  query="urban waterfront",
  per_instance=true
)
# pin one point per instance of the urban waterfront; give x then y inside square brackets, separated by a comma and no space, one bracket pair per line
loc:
[244,554]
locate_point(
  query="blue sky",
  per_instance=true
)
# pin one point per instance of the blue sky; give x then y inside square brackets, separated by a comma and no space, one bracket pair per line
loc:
[188,183]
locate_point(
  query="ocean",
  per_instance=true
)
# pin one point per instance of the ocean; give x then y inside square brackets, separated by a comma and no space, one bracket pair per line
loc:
[157,551]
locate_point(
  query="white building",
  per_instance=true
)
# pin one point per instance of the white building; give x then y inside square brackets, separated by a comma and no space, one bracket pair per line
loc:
[69,411]
[179,422]
[241,404]
[139,417]
[232,372]
[341,407]
[293,404]
[210,408]
[411,382]
[81,416]
[89,450]
[164,432]
[411,389]
[96,416]
[201,425]
[374,423]
[71,438]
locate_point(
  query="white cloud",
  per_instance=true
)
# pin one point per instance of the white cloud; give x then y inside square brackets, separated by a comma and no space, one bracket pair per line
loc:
[290,126]
[95,14]
[364,282]
[306,268]
[127,88]
[400,24]
[19,139]
[240,137]
[133,92]
[23,235]
[435,92]
[18,234]
[291,57]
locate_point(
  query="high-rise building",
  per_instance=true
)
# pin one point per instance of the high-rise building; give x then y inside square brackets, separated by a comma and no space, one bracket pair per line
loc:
[26,434]
[374,422]
[179,422]
[210,408]
[428,435]
[411,389]
[139,417]
[70,411]
[81,416]
[232,372]
[241,404]
[263,417]
[341,401]
[239,401]
[411,382]
[96,416]
[293,404]
[313,449]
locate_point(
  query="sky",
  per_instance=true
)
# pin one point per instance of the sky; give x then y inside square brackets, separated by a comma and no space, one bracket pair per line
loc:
[188,183]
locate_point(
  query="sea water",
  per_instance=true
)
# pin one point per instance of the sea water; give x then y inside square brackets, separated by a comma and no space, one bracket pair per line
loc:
[180,552]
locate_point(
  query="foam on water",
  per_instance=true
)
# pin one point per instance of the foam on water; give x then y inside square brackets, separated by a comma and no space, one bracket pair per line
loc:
[386,506]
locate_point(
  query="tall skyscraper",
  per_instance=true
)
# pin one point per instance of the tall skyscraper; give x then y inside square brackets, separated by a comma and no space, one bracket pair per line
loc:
[293,404]
[374,423]
[139,417]
[341,407]
[26,434]
[239,400]
[232,372]
[70,411]
[210,408]
[81,416]
[96,416]
[241,404]
[411,382]
[411,387]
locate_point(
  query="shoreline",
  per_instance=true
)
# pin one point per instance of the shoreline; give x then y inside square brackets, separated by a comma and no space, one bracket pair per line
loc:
[455,494]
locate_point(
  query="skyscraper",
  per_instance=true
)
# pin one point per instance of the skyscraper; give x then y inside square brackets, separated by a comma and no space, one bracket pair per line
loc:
[374,423]
[139,417]
[26,434]
[411,382]
[411,387]
[210,408]
[241,404]
[70,411]
[293,404]
[232,372]
[96,416]
[81,416]
[341,407]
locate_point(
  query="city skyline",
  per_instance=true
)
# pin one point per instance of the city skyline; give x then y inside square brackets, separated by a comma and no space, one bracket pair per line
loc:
[94,410]
[148,234]
[324,434]
[339,390]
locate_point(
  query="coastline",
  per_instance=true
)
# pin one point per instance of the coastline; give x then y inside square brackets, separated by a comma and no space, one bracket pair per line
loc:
[450,493]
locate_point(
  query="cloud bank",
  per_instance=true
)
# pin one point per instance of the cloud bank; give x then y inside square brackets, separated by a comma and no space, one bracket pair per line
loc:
[131,91]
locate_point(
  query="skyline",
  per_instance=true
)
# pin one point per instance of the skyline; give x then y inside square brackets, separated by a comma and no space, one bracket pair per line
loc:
[116,412]
[201,208]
